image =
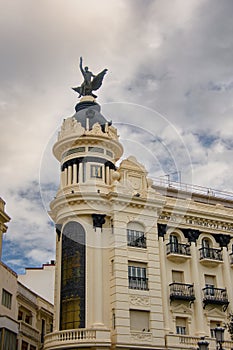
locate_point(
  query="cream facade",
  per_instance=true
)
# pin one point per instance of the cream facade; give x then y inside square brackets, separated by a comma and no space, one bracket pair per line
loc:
[138,265]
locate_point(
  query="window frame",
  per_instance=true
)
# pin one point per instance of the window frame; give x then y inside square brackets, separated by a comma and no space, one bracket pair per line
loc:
[6,299]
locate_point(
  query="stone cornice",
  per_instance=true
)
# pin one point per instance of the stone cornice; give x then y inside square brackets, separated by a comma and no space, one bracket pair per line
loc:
[197,223]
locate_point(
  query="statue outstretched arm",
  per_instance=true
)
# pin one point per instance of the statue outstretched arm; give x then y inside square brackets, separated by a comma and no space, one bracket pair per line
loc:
[81,65]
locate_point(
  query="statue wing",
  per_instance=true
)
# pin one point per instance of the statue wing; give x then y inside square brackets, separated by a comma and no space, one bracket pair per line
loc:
[77,89]
[97,80]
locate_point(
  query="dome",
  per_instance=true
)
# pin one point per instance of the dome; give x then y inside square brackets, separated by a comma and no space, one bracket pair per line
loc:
[90,110]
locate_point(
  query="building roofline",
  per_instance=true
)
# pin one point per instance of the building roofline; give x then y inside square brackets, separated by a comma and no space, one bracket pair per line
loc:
[9,269]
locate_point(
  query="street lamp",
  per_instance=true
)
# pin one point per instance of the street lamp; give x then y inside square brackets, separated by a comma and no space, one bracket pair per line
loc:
[203,344]
[219,335]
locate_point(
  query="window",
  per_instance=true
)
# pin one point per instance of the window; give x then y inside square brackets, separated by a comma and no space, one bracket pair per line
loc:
[109,153]
[20,315]
[24,345]
[42,330]
[213,325]
[174,243]
[139,320]
[112,266]
[71,313]
[205,243]
[32,347]
[8,339]
[6,298]
[136,238]
[137,277]
[113,319]
[73,150]
[95,149]
[181,325]
[96,171]
[209,284]
[28,318]
[72,306]
[177,276]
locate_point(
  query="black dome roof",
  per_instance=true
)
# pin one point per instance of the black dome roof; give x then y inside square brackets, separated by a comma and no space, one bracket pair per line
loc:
[90,110]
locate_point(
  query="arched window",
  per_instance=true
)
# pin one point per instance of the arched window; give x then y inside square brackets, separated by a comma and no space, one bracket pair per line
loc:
[205,243]
[174,243]
[135,235]
[72,312]
[206,251]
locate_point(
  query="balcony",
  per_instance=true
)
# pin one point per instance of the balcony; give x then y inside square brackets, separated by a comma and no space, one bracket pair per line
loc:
[189,342]
[210,256]
[140,283]
[181,291]
[215,296]
[29,331]
[82,337]
[178,252]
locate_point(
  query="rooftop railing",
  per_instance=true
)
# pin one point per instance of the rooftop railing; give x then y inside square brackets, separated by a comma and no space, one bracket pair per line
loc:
[201,190]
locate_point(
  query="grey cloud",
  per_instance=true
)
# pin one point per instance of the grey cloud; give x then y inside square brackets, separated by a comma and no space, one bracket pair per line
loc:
[173,57]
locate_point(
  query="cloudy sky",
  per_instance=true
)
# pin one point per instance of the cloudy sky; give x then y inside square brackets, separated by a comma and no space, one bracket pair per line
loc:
[169,91]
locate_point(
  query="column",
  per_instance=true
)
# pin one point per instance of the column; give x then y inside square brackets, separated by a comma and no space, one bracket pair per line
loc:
[198,307]
[98,278]
[65,177]
[69,175]
[107,179]
[164,283]
[80,173]
[74,173]
[227,274]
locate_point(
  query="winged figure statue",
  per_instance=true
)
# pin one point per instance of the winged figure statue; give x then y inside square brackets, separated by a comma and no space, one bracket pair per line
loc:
[91,82]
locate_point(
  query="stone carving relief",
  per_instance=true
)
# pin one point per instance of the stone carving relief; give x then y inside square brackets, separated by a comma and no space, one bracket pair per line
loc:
[197,221]
[70,126]
[141,336]
[139,300]
[96,130]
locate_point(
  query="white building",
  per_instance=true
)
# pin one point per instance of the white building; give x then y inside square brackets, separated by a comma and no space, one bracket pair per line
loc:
[40,280]
[138,265]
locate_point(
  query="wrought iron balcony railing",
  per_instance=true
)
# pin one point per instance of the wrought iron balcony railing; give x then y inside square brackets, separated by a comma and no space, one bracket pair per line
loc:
[140,283]
[210,253]
[181,291]
[212,295]
[178,248]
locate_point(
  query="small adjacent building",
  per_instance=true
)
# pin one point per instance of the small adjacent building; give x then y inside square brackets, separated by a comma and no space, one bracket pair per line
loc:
[25,316]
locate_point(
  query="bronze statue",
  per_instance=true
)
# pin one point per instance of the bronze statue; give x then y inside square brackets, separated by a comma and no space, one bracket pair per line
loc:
[89,84]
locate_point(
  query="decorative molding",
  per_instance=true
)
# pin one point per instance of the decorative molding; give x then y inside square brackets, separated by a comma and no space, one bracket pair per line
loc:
[58,231]
[139,300]
[162,229]
[181,310]
[98,220]
[197,221]
[222,240]
[141,336]
[70,126]
[191,235]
